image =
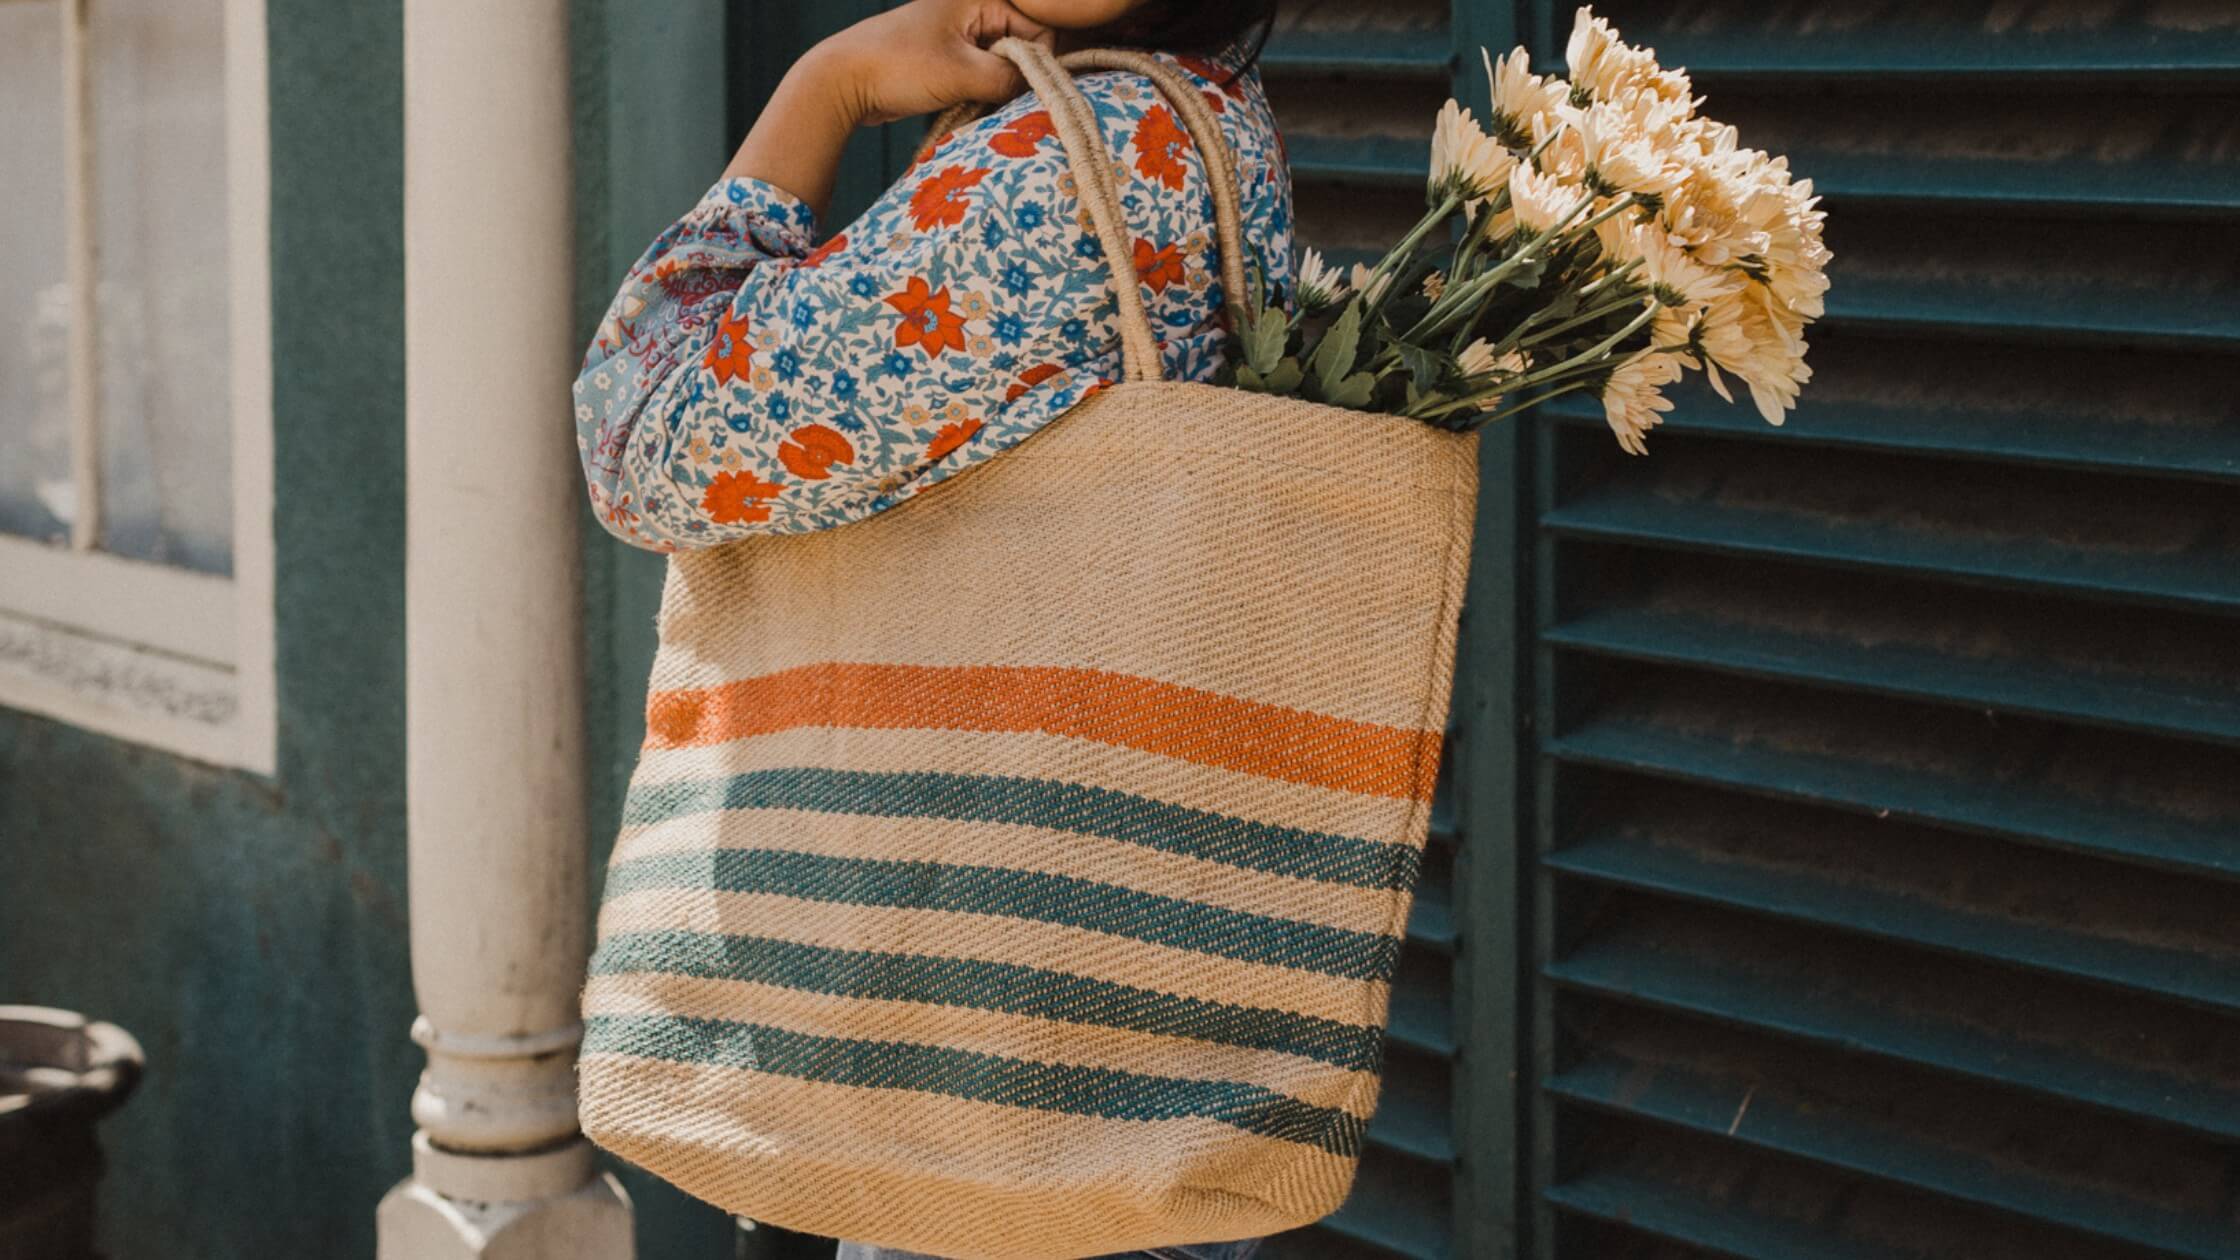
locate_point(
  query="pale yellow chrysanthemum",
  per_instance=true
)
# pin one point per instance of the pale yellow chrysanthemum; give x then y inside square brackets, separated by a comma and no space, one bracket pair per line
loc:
[1557,149]
[1434,284]
[1478,359]
[1519,98]
[1465,161]
[1740,209]
[1679,285]
[1481,365]
[1706,137]
[1742,333]
[1591,50]
[1620,244]
[1364,280]
[1795,256]
[1666,125]
[1319,283]
[1541,200]
[1672,277]
[1633,399]
[1704,212]
[1604,66]
[1620,156]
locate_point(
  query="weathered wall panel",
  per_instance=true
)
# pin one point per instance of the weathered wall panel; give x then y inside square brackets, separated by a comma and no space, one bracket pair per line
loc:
[252,933]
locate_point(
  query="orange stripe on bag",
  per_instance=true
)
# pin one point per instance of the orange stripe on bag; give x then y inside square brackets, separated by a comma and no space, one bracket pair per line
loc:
[1186,723]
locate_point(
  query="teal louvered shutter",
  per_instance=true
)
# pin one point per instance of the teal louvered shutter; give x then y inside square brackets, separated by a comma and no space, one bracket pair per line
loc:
[1886,803]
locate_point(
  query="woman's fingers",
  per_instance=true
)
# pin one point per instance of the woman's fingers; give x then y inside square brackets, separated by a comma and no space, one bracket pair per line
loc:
[994,78]
[1000,18]
[990,78]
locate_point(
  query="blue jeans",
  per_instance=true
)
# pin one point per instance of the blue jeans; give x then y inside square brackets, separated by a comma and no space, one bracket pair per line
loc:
[1195,1251]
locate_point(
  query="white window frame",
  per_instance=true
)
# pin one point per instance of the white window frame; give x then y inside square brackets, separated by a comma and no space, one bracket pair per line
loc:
[173,659]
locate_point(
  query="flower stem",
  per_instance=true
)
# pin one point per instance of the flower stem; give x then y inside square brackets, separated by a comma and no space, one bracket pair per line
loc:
[1530,403]
[1595,355]
[1481,229]
[1586,317]
[1400,256]
[1623,203]
[1578,364]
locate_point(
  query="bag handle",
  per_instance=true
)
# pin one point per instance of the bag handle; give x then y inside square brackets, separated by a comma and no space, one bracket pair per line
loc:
[1083,140]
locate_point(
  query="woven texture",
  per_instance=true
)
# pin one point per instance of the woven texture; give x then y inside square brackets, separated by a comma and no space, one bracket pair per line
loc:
[1021,872]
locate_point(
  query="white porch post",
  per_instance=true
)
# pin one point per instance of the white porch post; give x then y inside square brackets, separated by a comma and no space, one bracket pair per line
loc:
[494,692]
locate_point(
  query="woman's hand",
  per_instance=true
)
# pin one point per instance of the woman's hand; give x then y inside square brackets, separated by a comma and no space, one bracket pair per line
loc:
[924,56]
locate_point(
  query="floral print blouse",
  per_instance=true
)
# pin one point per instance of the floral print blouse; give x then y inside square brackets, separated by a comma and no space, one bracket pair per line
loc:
[748,380]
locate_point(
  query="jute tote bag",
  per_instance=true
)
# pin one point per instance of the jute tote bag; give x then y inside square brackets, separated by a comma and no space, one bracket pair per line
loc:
[1020,873]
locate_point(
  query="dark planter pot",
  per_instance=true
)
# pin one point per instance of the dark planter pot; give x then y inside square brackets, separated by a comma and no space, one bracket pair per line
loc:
[59,1073]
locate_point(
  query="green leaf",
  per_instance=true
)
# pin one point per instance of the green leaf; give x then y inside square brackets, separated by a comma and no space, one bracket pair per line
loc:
[1424,364]
[1263,342]
[1249,379]
[1286,377]
[1372,341]
[1334,357]
[1353,391]
[1526,274]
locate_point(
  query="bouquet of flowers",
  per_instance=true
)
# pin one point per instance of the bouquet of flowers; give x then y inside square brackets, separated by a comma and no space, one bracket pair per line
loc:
[1602,236]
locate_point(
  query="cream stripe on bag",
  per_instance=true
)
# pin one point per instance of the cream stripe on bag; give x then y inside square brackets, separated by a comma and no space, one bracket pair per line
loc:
[1036,889]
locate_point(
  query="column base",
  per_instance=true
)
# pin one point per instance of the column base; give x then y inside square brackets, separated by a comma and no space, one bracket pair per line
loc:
[529,1214]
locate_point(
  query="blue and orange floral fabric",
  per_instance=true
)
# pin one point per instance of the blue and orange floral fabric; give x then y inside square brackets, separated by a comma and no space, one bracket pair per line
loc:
[747,380]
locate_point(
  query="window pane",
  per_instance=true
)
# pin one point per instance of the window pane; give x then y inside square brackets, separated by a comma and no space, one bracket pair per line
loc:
[159,145]
[34,305]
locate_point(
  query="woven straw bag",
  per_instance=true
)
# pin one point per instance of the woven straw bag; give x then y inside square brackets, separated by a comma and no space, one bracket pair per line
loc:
[1020,873]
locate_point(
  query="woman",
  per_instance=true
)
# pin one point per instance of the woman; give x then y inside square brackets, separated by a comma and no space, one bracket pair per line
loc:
[747,380]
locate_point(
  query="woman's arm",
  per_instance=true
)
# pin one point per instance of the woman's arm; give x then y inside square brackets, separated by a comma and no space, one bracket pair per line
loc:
[744,383]
[670,352]
[911,60]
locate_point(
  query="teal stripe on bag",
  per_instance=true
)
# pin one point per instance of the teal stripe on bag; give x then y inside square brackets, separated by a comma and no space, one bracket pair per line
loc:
[970,1074]
[1033,895]
[987,986]
[1084,810]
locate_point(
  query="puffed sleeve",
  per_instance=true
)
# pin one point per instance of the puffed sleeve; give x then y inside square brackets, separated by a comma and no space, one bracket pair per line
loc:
[746,383]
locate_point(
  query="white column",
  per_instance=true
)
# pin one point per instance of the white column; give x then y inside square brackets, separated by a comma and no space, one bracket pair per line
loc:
[494,690]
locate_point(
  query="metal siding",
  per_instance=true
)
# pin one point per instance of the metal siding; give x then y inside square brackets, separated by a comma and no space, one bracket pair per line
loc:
[1889,789]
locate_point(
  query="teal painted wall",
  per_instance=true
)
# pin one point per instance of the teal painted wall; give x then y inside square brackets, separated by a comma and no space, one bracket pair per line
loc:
[252,932]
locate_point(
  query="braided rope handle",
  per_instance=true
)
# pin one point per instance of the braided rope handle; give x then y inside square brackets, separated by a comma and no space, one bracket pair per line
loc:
[1083,140]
